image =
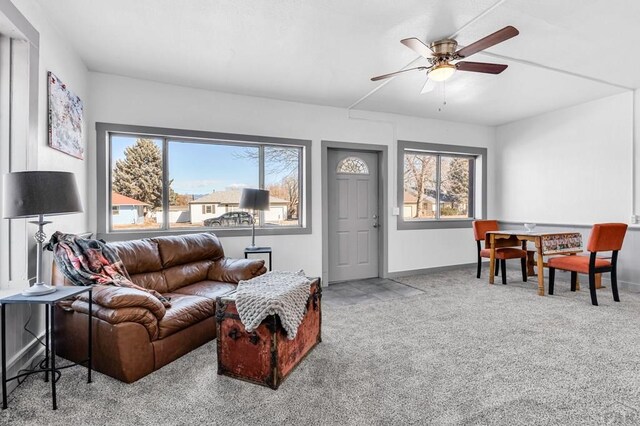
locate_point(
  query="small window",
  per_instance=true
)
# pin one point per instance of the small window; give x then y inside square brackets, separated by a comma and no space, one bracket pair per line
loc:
[438,185]
[115,210]
[352,165]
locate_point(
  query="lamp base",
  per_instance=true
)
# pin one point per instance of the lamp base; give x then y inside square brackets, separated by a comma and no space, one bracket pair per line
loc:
[38,289]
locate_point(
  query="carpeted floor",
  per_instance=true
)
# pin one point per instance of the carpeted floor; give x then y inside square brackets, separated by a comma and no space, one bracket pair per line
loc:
[462,352]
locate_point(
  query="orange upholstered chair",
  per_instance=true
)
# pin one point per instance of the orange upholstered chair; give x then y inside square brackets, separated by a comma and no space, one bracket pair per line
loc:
[604,237]
[480,228]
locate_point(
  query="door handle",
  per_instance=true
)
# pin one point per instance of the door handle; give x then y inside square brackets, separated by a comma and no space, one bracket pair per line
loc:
[376,225]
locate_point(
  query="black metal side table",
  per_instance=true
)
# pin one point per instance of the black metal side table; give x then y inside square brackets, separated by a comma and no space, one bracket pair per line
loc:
[267,250]
[49,300]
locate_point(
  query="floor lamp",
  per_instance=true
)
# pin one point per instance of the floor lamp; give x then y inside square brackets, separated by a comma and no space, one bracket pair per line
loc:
[36,194]
[254,199]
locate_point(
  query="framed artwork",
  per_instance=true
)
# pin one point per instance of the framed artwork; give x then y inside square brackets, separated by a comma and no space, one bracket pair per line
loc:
[65,118]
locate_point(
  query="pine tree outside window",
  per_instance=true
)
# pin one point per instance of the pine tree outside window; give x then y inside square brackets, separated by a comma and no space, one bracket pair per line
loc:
[136,182]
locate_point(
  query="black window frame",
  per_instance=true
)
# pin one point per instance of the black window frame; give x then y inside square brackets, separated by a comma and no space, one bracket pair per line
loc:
[105,131]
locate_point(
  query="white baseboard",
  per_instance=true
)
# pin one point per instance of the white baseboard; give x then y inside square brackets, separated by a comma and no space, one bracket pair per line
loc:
[398,274]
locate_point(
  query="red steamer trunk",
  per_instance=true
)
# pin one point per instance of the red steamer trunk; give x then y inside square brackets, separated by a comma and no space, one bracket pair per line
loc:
[265,356]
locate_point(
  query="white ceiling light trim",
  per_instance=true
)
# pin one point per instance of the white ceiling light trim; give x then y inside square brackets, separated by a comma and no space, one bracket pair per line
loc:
[476,19]
[547,67]
[381,85]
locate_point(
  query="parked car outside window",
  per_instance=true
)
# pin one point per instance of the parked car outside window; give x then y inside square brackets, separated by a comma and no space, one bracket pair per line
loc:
[230,219]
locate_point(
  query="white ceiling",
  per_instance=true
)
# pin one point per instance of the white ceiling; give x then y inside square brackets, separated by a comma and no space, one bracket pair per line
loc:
[325,51]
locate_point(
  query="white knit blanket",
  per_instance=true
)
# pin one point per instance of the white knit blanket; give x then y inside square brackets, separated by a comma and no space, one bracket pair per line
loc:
[278,292]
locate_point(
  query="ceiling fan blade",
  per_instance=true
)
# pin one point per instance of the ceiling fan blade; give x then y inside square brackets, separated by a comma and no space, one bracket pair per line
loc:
[491,40]
[417,46]
[429,85]
[382,77]
[481,67]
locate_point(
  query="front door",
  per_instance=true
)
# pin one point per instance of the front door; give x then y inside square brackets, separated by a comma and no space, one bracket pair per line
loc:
[353,215]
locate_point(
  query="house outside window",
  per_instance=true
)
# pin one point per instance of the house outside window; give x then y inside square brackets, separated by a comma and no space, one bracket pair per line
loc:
[185,180]
[440,186]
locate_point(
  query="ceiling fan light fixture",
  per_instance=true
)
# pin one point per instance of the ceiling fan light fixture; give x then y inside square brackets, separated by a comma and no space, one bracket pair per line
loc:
[442,72]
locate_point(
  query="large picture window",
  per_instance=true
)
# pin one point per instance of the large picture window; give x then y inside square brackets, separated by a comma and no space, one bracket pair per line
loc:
[182,181]
[438,185]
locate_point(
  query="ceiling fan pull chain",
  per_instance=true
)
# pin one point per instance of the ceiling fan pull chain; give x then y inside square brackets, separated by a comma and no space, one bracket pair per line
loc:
[444,93]
[444,96]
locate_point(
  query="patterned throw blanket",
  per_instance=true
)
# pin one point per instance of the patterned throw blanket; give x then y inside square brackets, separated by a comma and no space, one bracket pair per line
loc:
[278,292]
[87,262]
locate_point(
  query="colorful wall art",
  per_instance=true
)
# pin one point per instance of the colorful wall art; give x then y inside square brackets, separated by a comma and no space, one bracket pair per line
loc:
[65,119]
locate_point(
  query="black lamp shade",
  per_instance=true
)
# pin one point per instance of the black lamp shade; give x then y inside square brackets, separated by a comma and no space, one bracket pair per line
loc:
[254,199]
[33,193]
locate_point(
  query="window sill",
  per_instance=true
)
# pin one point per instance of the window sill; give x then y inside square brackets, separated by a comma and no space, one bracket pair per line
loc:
[135,234]
[434,224]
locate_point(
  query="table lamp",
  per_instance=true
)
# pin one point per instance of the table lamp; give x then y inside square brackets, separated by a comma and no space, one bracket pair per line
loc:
[254,199]
[36,194]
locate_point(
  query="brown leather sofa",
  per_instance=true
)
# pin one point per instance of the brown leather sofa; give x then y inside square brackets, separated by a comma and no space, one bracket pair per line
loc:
[133,333]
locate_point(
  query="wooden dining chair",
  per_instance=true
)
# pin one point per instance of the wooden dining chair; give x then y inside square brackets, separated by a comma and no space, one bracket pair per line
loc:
[480,228]
[604,237]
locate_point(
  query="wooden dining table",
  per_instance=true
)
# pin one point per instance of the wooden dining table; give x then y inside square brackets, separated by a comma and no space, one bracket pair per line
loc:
[546,244]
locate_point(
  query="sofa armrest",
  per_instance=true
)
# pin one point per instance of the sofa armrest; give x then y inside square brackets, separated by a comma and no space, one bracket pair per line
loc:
[116,316]
[235,270]
[114,297]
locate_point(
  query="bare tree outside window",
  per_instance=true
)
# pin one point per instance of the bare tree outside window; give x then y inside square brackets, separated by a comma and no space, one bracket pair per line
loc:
[419,185]
[436,186]
[281,178]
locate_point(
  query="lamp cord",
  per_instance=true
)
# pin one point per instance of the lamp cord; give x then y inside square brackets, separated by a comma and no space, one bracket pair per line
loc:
[29,331]
[36,361]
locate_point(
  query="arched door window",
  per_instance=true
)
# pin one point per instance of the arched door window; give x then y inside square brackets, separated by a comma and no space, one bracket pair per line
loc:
[352,165]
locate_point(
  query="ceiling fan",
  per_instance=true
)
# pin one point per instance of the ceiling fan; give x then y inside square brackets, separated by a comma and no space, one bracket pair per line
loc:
[441,53]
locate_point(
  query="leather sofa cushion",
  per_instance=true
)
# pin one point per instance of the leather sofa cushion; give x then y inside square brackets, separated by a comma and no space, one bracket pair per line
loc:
[133,314]
[114,297]
[236,270]
[138,256]
[151,280]
[185,311]
[181,275]
[181,249]
[209,289]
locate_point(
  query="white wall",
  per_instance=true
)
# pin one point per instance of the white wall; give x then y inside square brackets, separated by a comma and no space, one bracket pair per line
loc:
[55,56]
[124,100]
[574,167]
[568,166]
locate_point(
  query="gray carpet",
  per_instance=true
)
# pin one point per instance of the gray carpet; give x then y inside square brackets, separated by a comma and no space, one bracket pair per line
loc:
[462,352]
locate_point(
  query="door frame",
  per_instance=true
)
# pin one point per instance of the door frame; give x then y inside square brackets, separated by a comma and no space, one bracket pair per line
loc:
[383,201]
